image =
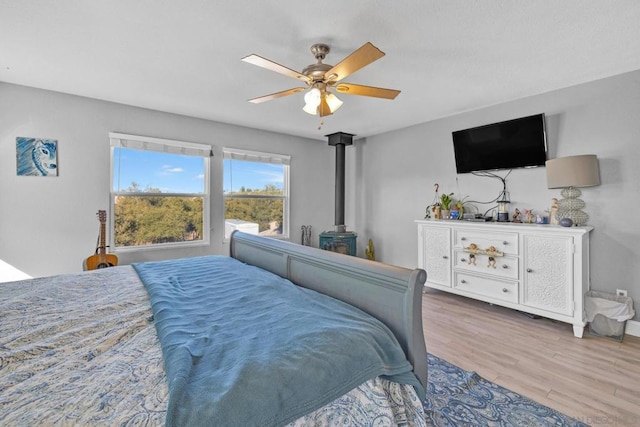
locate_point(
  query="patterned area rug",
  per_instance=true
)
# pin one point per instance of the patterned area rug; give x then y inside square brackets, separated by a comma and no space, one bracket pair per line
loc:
[459,398]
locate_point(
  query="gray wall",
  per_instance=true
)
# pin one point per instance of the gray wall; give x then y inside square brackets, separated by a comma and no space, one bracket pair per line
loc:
[48,225]
[396,171]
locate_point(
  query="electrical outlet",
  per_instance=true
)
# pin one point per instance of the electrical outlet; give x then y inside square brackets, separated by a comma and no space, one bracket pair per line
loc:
[621,292]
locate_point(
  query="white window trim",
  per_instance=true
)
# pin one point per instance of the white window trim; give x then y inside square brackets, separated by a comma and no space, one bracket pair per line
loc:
[167,146]
[255,156]
[259,156]
[158,144]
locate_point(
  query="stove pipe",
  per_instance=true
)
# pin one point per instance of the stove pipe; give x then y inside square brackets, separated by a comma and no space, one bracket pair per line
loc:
[340,140]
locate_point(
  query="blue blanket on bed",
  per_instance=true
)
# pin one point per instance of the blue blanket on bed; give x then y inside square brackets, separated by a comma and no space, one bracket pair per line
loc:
[245,347]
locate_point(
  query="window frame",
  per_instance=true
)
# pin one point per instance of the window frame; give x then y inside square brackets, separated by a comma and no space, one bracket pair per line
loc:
[168,146]
[230,153]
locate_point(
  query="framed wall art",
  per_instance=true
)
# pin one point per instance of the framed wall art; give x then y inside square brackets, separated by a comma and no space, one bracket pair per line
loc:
[36,156]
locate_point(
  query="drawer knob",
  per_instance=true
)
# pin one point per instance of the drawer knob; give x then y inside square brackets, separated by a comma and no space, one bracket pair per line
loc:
[445,257]
[529,270]
[463,260]
[505,290]
[505,243]
[463,281]
[463,238]
[505,266]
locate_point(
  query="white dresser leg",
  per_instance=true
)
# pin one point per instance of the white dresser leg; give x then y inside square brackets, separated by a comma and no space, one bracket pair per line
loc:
[578,331]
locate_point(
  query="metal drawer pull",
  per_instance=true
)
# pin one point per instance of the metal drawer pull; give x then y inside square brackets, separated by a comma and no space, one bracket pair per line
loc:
[463,238]
[505,243]
[445,257]
[463,260]
[463,281]
[505,290]
[529,270]
[505,266]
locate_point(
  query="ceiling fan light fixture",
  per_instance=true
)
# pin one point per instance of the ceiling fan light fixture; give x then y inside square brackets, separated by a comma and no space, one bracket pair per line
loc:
[313,96]
[312,101]
[309,109]
[333,101]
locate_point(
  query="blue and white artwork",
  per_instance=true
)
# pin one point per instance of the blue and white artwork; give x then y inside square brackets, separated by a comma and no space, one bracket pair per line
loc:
[37,157]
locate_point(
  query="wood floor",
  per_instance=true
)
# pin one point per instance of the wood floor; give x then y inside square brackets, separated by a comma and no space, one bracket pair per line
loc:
[594,379]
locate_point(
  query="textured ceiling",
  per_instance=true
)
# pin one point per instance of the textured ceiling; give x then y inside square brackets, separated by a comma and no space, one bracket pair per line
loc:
[445,56]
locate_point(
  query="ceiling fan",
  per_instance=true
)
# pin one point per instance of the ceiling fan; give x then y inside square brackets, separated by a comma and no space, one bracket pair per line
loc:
[320,77]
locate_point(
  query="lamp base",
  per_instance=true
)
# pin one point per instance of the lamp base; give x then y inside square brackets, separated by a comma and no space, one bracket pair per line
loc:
[570,206]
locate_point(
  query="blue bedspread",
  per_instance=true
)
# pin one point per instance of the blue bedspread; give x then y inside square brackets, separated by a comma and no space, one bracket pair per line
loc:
[243,346]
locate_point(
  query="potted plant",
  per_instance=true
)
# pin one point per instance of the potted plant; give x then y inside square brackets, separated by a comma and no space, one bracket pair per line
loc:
[369,251]
[458,208]
[433,210]
[445,204]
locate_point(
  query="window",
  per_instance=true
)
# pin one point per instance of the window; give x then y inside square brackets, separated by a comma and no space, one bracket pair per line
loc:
[256,193]
[159,192]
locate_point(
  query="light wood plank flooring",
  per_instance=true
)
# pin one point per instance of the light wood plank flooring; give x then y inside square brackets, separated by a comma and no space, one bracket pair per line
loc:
[593,379]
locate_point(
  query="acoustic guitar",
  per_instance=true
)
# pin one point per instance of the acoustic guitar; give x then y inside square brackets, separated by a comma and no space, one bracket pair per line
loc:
[101,259]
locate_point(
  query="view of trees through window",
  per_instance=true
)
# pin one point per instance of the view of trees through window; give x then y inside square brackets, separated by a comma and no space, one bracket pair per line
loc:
[158,197]
[251,205]
[153,218]
[255,197]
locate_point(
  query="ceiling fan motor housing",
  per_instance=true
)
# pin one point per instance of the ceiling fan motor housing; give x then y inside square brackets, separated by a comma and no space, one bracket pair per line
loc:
[318,70]
[320,50]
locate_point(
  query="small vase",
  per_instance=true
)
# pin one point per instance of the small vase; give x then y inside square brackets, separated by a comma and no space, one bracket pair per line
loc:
[445,213]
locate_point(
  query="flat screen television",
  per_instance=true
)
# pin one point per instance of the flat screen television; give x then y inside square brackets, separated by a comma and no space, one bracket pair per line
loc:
[517,143]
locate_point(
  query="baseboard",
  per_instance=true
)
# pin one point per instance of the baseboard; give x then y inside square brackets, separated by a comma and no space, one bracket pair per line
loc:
[632,328]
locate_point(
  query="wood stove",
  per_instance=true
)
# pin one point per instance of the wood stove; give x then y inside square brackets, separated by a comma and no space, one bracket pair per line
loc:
[343,243]
[339,240]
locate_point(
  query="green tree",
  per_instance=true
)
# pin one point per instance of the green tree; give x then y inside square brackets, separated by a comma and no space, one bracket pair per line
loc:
[150,219]
[265,212]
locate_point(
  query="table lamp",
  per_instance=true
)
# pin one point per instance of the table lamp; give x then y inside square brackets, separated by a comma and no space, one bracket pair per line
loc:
[569,173]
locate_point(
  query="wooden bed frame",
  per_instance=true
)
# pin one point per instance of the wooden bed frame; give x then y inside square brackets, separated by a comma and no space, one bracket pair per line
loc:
[391,294]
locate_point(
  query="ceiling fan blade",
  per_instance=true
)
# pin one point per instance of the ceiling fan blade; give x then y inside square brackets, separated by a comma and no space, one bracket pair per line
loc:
[378,92]
[362,56]
[277,95]
[323,108]
[273,66]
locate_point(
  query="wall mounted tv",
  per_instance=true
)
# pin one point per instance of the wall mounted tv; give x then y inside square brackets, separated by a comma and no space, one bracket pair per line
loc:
[512,144]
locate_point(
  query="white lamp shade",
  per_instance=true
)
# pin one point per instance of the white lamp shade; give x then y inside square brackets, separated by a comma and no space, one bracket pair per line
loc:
[573,171]
[310,109]
[333,101]
[312,101]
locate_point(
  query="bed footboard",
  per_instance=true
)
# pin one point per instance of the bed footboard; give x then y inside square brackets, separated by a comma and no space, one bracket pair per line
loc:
[391,294]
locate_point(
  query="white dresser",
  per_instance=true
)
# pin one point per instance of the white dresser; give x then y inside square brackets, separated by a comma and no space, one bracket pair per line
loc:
[537,269]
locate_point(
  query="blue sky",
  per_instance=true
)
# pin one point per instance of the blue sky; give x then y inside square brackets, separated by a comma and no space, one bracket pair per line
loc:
[253,175]
[174,173]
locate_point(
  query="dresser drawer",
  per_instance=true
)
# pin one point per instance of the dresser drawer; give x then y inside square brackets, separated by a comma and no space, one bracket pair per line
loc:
[492,288]
[503,241]
[500,266]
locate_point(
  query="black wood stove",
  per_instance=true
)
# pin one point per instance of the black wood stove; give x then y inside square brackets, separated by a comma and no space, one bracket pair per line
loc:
[339,240]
